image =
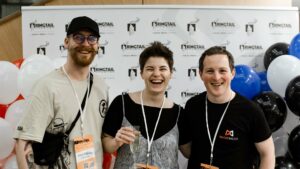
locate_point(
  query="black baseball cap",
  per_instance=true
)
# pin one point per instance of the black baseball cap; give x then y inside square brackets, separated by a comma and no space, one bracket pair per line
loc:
[83,22]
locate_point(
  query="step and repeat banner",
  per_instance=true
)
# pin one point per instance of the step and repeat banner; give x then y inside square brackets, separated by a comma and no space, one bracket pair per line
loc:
[187,30]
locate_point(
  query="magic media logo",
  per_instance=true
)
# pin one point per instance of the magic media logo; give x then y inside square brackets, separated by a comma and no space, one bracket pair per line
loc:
[132,26]
[42,48]
[229,135]
[40,25]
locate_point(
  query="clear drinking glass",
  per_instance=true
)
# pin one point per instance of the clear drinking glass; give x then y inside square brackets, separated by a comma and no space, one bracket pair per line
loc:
[134,147]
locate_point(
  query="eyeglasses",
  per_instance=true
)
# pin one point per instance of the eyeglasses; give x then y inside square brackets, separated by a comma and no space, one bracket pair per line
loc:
[79,39]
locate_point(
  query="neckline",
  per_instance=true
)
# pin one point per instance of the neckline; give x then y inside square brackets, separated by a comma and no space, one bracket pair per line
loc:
[146,106]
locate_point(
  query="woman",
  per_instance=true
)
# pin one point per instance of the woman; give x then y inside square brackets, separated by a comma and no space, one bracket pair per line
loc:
[158,117]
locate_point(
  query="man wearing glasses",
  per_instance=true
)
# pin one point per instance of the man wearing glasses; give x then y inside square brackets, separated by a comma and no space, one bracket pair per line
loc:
[59,97]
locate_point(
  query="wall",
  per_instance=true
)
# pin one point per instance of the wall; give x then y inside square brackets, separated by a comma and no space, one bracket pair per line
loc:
[11,32]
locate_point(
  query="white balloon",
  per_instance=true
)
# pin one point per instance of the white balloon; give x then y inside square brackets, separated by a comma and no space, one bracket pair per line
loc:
[15,112]
[11,163]
[281,71]
[31,72]
[7,142]
[8,80]
[33,58]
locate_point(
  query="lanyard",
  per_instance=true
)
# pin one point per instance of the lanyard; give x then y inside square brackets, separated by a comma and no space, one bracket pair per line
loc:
[150,141]
[212,143]
[77,98]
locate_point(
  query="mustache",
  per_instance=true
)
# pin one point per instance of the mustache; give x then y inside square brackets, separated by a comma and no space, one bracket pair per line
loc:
[80,48]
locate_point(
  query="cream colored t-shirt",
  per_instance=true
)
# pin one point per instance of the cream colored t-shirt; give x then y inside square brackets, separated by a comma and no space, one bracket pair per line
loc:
[53,107]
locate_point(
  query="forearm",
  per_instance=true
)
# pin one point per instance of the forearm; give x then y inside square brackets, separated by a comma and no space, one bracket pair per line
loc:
[110,144]
[21,154]
[267,162]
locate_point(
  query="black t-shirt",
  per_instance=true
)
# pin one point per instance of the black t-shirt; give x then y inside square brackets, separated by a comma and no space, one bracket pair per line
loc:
[243,125]
[133,113]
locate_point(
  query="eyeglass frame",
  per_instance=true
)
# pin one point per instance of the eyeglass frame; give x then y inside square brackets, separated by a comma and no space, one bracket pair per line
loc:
[84,38]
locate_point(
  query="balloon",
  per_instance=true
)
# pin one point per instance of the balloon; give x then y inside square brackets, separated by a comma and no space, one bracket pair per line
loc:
[3,109]
[11,163]
[294,48]
[15,112]
[292,95]
[264,85]
[275,51]
[281,71]
[246,82]
[7,142]
[274,109]
[294,144]
[284,163]
[9,87]
[33,57]
[18,62]
[31,71]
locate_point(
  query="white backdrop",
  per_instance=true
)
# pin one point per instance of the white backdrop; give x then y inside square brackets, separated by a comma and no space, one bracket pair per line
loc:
[186,30]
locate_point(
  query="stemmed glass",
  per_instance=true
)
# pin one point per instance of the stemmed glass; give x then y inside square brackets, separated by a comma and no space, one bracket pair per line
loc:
[134,147]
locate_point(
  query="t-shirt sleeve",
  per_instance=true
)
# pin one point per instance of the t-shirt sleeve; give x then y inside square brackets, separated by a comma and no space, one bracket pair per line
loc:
[114,117]
[261,130]
[37,114]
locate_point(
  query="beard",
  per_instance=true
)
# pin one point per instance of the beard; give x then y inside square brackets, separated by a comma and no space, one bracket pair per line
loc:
[82,61]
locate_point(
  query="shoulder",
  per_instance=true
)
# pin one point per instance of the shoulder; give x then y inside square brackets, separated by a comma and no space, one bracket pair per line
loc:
[48,81]
[197,99]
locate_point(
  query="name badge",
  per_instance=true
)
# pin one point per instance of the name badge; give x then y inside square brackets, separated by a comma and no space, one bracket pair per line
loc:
[144,166]
[206,166]
[85,152]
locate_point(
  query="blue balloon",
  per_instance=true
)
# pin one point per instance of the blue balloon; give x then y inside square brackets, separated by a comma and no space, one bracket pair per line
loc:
[264,85]
[246,81]
[294,48]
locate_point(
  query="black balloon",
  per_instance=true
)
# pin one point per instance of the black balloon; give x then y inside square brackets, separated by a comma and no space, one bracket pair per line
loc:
[284,163]
[274,51]
[274,108]
[292,95]
[294,144]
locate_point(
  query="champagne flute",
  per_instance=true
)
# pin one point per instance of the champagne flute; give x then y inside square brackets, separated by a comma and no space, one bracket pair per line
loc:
[134,147]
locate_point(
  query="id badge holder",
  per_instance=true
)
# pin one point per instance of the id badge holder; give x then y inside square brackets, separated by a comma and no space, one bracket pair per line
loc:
[85,152]
[207,166]
[144,166]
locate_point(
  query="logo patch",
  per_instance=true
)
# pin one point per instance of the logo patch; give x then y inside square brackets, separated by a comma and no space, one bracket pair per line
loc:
[103,108]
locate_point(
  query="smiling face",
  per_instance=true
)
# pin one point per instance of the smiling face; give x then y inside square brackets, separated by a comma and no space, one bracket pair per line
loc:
[156,74]
[81,54]
[217,76]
